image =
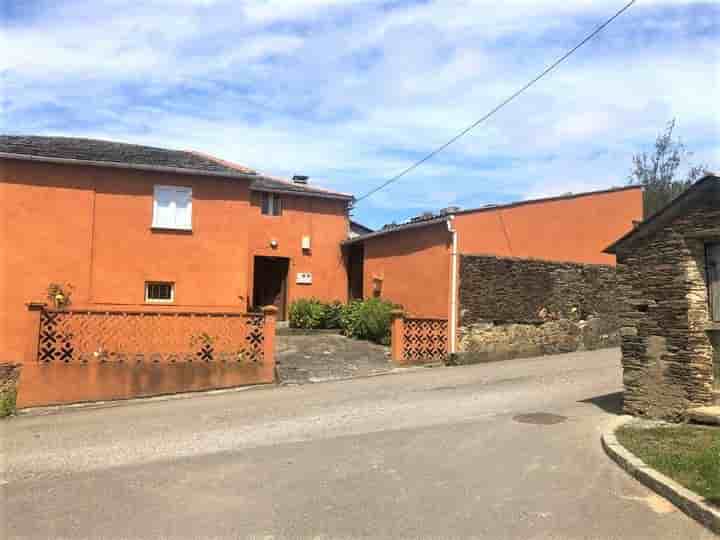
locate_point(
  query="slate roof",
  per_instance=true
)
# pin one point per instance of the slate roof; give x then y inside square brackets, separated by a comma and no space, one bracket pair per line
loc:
[111,153]
[704,190]
[396,227]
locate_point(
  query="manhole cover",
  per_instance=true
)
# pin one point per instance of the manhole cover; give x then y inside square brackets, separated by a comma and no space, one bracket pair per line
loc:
[540,418]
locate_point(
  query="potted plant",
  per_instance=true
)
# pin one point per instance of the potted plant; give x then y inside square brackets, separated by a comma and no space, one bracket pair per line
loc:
[59,294]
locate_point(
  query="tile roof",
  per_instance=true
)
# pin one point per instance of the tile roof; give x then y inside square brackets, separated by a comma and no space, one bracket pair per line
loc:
[111,153]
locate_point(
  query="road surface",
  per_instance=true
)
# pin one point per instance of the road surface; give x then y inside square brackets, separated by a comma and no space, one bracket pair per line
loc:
[442,452]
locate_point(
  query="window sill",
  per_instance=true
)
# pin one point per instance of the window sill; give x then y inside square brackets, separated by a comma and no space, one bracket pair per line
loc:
[713,327]
[178,230]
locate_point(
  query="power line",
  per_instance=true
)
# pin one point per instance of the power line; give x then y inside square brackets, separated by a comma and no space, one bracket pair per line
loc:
[498,107]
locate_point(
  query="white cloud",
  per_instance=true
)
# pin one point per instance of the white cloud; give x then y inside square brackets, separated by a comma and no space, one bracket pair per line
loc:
[351,92]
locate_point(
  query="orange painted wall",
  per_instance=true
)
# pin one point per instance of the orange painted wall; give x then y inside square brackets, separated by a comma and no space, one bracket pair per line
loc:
[90,226]
[325,222]
[575,229]
[414,266]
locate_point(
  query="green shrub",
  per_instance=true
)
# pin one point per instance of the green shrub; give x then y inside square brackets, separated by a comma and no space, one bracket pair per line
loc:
[333,315]
[368,319]
[7,402]
[350,319]
[307,313]
[360,319]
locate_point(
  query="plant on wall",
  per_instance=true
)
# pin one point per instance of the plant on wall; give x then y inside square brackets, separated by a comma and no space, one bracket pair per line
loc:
[60,294]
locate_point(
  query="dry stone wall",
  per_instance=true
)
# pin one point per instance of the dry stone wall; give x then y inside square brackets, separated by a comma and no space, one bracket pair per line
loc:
[513,308]
[665,319]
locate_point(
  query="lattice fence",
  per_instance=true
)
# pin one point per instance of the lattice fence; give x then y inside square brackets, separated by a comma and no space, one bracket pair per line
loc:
[425,340]
[125,336]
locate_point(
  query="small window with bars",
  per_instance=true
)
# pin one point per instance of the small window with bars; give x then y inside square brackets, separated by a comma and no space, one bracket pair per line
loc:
[159,292]
[712,254]
[271,204]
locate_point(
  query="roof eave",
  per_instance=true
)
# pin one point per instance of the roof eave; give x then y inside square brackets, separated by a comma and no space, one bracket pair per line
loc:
[317,194]
[399,228]
[645,227]
[506,206]
[174,170]
[133,166]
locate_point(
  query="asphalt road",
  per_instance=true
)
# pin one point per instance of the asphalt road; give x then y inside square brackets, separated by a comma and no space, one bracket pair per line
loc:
[429,453]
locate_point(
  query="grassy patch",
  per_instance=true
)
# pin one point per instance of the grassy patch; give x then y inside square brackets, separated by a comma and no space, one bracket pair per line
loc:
[7,402]
[689,455]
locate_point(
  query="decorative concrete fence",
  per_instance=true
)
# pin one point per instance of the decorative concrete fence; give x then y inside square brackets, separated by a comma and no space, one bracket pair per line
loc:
[418,340]
[90,355]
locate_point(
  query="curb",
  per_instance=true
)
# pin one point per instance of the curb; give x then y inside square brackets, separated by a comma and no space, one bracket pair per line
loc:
[689,502]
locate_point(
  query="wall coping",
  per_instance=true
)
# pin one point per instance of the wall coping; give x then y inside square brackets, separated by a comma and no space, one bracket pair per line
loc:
[537,260]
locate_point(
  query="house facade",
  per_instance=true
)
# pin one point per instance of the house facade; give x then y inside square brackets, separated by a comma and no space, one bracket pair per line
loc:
[417,264]
[128,227]
[669,288]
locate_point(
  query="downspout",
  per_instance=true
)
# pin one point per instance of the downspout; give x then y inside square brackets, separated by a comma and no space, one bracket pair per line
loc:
[453,285]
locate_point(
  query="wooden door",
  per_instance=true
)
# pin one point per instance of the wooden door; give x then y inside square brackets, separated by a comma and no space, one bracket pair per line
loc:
[270,283]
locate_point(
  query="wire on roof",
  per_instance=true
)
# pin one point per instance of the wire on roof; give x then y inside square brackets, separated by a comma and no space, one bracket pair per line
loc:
[502,104]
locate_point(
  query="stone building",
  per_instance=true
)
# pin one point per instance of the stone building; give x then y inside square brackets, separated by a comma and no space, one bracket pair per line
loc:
[669,289]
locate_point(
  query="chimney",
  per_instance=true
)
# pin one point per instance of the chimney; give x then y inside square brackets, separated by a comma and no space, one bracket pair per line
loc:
[300,179]
[449,210]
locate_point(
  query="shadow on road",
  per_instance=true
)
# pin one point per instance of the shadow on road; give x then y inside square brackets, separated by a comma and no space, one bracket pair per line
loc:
[610,403]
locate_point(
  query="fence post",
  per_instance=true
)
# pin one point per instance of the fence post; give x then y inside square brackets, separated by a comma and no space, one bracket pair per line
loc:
[33,331]
[397,335]
[270,314]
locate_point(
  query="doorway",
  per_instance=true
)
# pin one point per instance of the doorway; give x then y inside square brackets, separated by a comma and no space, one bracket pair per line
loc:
[355,262]
[270,283]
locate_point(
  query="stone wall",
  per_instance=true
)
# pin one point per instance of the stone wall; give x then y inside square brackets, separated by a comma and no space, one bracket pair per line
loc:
[512,308]
[667,348]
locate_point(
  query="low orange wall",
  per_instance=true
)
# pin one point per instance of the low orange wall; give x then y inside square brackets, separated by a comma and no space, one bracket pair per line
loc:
[71,373]
[53,383]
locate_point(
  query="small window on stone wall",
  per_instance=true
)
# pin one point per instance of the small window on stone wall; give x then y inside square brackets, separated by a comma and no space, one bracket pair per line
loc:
[713,273]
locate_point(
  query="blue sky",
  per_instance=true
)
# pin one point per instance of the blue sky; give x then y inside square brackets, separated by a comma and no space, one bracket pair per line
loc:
[351,92]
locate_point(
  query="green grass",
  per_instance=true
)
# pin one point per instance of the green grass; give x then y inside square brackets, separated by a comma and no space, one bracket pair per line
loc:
[689,455]
[7,402]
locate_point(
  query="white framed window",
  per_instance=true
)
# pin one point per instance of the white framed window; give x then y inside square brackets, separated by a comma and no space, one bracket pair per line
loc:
[172,208]
[159,292]
[271,204]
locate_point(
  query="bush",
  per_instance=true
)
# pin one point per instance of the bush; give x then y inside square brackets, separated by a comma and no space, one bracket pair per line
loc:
[333,315]
[360,319]
[7,402]
[368,319]
[307,313]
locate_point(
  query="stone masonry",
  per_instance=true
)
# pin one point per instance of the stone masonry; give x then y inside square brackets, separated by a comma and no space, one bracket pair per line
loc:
[513,308]
[667,340]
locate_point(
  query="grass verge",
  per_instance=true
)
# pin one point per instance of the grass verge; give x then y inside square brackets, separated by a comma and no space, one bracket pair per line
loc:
[7,402]
[690,455]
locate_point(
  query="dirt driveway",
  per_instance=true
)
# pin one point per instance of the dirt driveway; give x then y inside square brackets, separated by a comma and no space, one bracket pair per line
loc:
[322,356]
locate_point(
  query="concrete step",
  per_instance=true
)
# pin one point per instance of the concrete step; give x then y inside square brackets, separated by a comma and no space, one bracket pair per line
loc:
[705,415]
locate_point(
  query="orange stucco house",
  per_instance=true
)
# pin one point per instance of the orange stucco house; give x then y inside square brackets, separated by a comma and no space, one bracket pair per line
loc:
[415,264]
[128,227]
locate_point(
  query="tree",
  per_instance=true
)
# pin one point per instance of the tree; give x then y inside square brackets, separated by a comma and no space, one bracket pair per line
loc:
[658,172]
